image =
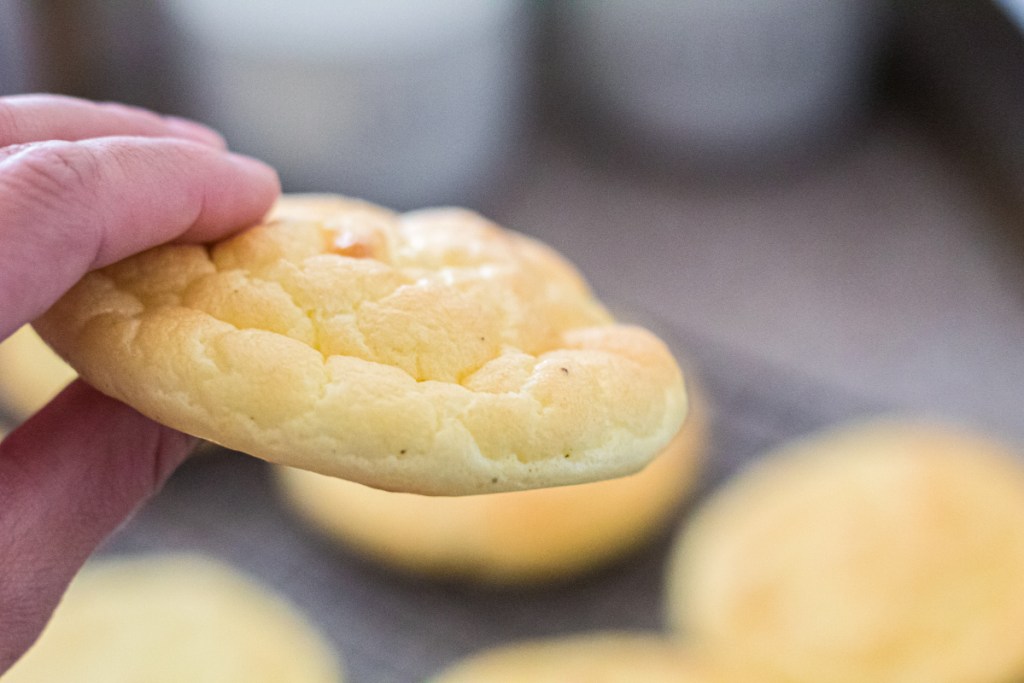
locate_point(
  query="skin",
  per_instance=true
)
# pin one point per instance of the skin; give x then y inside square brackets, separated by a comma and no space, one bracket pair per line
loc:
[83,185]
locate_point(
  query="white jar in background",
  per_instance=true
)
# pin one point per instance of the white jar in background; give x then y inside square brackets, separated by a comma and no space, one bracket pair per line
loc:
[405,103]
[722,82]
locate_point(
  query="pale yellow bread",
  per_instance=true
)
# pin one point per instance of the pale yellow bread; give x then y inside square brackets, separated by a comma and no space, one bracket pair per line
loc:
[889,552]
[604,657]
[171,619]
[30,373]
[431,352]
[505,538]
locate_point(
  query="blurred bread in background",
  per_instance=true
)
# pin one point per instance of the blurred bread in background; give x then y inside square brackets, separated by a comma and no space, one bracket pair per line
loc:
[506,538]
[30,373]
[886,551]
[175,618]
[605,657]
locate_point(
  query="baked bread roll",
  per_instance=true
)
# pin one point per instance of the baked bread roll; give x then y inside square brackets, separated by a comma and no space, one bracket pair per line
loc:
[30,373]
[612,657]
[430,352]
[170,619]
[505,538]
[888,552]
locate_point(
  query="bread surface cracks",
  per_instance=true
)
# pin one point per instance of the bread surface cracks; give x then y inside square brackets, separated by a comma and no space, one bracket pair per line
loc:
[268,294]
[390,335]
[271,296]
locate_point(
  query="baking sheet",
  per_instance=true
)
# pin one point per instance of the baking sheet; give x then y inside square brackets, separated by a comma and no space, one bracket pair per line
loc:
[389,627]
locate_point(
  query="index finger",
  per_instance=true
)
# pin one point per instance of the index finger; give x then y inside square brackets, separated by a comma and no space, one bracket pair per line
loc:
[69,207]
[33,118]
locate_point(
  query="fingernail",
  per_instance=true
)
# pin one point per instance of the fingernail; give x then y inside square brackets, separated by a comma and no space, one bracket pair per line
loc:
[195,131]
[256,168]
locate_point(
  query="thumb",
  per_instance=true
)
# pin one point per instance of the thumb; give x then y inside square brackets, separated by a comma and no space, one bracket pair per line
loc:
[70,476]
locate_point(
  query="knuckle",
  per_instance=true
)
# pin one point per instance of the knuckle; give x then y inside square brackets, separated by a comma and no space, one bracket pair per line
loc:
[56,184]
[50,171]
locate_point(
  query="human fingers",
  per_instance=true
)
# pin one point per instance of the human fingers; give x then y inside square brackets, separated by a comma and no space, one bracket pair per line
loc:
[68,477]
[38,117]
[69,207]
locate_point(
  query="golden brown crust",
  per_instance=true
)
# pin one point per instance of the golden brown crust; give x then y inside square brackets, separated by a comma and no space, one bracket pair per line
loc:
[430,352]
[505,538]
[883,552]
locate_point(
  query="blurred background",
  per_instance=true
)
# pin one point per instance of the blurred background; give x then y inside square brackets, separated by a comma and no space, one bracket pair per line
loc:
[820,201]
[833,186]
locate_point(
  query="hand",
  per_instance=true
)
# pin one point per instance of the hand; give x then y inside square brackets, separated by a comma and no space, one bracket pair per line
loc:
[83,185]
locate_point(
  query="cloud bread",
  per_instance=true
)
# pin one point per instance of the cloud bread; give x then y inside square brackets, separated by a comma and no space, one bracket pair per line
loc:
[505,538]
[602,657]
[30,373]
[430,352]
[889,552]
[171,619]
